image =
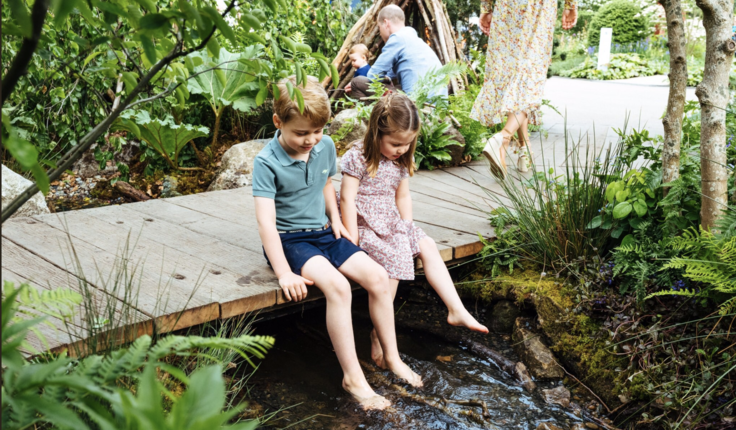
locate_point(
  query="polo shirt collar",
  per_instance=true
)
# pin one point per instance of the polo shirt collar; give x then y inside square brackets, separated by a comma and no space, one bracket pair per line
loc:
[281,154]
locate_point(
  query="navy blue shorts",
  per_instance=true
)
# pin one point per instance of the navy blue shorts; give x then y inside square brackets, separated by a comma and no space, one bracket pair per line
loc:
[300,247]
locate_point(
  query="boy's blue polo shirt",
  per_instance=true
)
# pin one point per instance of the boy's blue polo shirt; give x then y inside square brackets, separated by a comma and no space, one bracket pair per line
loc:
[295,186]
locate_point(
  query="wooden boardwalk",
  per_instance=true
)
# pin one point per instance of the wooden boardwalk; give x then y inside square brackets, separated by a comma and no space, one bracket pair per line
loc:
[198,258]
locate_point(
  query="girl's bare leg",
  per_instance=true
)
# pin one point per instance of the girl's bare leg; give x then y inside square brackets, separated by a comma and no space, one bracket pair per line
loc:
[371,276]
[376,350]
[439,278]
[340,327]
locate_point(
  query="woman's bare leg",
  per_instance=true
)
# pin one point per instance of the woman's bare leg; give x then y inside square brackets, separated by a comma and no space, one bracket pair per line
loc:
[514,122]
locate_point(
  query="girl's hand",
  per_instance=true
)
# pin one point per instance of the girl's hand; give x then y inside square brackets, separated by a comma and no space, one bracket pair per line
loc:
[569,18]
[339,230]
[294,286]
[485,23]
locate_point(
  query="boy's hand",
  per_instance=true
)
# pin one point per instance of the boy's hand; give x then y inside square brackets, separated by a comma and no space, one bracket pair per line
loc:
[339,230]
[294,286]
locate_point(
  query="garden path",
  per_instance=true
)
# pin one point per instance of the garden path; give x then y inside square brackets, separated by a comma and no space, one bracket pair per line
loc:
[198,258]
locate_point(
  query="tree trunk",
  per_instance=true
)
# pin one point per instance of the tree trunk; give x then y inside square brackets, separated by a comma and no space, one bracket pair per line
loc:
[672,120]
[713,95]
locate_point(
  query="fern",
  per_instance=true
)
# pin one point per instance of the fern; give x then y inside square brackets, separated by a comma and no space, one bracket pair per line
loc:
[710,262]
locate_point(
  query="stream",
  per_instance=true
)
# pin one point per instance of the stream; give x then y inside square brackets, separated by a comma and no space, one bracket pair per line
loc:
[301,376]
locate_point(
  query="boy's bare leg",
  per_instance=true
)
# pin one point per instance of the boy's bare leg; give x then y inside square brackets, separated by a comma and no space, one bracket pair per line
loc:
[376,350]
[371,276]
[439,278]
[340,327]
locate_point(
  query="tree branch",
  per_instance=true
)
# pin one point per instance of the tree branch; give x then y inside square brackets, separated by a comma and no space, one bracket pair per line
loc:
[85,142]
[27,49]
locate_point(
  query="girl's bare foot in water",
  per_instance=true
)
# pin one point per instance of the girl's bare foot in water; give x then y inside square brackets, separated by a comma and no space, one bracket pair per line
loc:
[463,318]
[404,372]
[367,398]
[376,350]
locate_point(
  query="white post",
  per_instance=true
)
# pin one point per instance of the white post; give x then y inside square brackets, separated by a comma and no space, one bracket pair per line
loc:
[604,48]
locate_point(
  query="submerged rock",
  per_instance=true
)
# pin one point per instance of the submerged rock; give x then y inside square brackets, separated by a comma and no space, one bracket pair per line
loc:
[557,396]
[503,317]
[14,184]
[236,167]
[547,426]
[535,354]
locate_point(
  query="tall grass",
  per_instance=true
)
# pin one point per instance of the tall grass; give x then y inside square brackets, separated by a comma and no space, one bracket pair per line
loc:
[553,206]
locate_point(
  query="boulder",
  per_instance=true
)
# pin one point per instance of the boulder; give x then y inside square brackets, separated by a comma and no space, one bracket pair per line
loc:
[535,354]
[236,167]
[13,185]
[557,396]
[353,130]
[504,316]
[170,187]
[456,151]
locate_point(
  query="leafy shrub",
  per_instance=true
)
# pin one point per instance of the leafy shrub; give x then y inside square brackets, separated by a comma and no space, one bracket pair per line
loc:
[622,66]
[473,131]
[625,18]
[66,393]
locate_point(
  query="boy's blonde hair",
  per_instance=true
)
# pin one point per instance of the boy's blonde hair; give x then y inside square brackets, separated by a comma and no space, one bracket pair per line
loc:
[360,49]
[316,103]
[392,113]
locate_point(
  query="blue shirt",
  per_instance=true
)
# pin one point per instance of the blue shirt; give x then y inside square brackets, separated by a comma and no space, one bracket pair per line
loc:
[363,71]
[407,56]
[295,186]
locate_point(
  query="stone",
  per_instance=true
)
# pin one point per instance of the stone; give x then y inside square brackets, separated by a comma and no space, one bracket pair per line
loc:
[547,426]
[535,354]
[457,152]
[503,316]
[88,166]
[578,426]
[557,396]
[170,187]
[592,426]
[14,184]
[236,167]
[354,128]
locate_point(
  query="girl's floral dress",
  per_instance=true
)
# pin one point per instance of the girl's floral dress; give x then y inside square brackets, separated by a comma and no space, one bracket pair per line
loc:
[519,53]
[388,239]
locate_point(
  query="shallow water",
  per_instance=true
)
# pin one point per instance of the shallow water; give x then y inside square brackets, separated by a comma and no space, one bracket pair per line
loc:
[301,373]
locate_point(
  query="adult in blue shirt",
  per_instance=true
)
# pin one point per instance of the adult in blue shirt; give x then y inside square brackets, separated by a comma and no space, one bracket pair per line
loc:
[405,56]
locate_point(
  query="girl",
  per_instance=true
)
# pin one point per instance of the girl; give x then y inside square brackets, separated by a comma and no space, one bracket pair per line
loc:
[376,206]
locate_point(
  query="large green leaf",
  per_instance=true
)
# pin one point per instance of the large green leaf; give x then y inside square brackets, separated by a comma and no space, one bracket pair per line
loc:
[231,92]
[164,136]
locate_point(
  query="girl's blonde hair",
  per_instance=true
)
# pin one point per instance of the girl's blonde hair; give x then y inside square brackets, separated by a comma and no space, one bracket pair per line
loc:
[393,113]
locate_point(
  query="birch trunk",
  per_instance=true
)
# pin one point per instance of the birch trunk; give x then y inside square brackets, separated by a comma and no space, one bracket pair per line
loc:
[672,120]
[713,95]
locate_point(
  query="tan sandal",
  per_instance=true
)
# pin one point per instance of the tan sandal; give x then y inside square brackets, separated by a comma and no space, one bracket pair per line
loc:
[525,159]
[492,151]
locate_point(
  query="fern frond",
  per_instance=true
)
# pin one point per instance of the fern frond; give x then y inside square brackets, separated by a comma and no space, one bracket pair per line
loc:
[684,293]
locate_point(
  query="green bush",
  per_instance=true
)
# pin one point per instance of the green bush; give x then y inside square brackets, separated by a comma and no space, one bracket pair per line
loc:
[622,66]
[625,18]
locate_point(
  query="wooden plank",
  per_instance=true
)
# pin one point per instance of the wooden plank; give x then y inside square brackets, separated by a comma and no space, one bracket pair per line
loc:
[199,298]
[256,287]
[153,297]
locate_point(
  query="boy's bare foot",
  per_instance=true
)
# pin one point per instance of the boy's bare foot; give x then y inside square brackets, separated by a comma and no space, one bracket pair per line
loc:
[464,319]
[367,398]
[404,372]
[376,350]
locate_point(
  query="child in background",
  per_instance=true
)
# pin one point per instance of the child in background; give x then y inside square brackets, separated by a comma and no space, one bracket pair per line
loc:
[359,57]
[295,203]
[376,207]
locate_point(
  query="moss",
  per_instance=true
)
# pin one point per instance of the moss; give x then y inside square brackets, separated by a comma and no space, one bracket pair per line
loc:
[574,337]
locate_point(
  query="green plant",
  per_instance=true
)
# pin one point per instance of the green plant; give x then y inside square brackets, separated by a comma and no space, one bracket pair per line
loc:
[709,261]
[88,393]
[473,131]
[626,19]
[164,136]
[622,66]
[432,144]
[498,253]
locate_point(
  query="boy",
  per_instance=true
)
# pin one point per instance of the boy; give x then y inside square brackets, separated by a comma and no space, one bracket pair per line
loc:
[359,57]
[295,203]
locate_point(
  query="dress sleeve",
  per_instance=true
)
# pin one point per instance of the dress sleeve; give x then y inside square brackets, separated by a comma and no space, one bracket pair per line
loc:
[571,4]
[352,163]
[486,6]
